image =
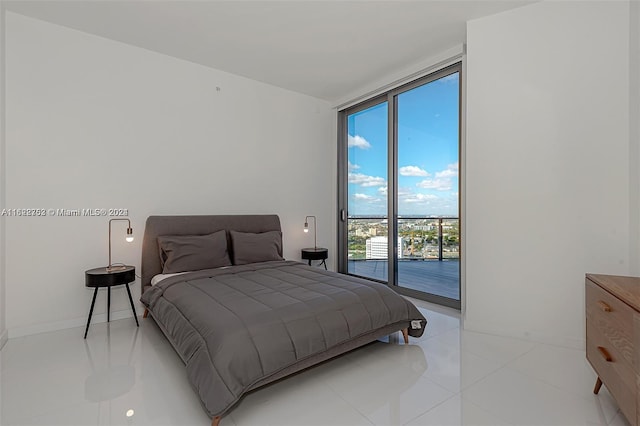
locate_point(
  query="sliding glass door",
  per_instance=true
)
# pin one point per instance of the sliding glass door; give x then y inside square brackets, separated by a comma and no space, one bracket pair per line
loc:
[399,195]
[367,164]
[427,195]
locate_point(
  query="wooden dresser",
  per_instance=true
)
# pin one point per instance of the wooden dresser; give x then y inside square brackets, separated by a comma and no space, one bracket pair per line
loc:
[613,338]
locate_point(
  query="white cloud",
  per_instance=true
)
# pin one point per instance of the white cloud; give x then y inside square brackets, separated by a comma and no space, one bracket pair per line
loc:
[407,195]
[423,197]
[353,166]
[383,190]
[364,197]
[412,171]
[450,172]
[364,180]
[440,184]
[419,198]
[358,142]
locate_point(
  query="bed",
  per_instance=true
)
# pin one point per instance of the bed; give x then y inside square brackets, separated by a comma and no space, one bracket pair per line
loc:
[240,316]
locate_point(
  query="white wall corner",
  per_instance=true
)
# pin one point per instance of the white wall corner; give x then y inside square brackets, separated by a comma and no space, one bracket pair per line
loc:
[634,138]
[3,175]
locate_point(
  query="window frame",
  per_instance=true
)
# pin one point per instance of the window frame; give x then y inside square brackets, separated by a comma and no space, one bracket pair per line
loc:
[391,97]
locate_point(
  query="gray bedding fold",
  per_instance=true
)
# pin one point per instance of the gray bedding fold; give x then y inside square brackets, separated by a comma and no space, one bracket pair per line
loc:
[238,325]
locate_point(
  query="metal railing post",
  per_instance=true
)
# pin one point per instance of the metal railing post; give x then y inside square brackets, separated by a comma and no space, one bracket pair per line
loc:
[440,239]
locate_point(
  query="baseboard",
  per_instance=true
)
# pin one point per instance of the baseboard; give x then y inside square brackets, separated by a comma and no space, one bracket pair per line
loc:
[533,336]
[3,338]
[63,325]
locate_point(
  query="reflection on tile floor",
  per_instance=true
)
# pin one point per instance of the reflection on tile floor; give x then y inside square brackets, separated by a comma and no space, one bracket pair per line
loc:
[122,375]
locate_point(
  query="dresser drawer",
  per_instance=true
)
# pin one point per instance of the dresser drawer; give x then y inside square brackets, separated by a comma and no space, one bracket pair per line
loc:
[614,320]
[614,370]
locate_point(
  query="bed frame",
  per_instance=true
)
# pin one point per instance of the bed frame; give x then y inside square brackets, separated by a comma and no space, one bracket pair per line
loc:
[202,225]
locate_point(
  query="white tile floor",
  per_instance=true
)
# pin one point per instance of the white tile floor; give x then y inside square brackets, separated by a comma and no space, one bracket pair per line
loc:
[447,377]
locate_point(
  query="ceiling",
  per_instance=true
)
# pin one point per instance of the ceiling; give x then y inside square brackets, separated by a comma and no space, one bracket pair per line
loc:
[326,49]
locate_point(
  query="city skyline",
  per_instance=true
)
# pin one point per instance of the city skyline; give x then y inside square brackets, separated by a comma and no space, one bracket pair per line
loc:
[416,238]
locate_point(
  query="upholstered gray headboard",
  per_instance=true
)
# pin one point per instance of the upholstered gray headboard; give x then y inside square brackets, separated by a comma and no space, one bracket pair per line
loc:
[194,225]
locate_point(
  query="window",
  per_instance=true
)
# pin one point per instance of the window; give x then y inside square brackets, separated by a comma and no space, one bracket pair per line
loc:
[399,188]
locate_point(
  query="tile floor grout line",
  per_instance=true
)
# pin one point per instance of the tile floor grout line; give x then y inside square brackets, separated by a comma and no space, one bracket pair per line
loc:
[539,381]
[432,408]
[497,416]
[570,393]
[347,402]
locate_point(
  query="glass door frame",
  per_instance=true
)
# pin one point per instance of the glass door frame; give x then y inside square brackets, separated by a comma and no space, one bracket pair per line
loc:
[343,176]
[391,97]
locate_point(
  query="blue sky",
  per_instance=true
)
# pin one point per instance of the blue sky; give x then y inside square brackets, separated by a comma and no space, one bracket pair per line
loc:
[427,153]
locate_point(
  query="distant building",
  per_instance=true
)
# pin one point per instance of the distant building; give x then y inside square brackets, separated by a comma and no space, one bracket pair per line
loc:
[377,248]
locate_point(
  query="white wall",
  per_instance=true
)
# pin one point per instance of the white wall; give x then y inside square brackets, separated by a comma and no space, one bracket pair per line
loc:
[3,328]
[93,123]
[634,137]
[548,169]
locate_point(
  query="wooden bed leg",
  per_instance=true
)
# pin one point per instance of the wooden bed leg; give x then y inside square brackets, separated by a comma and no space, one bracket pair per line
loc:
[146,313]
[598,386]
[215,421]
[405,334]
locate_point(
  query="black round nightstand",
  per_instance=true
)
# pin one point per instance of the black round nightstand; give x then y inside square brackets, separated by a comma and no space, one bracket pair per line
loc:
[316,254]
[100,277]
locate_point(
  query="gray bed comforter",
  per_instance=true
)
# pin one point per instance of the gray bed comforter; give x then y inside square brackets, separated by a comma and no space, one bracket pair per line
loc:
[238,325]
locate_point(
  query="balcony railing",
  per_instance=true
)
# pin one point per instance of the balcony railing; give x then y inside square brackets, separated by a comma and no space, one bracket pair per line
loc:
[419,238]
[434,242]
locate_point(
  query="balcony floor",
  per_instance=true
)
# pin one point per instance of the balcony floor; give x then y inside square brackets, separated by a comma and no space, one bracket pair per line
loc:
[430,276]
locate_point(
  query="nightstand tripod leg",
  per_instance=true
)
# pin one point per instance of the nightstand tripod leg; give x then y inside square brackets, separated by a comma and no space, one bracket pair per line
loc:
[133,308]
[93,302]
[108,303]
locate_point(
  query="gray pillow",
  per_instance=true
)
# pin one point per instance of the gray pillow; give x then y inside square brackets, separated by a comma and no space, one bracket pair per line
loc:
[252,248]
[181,253]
